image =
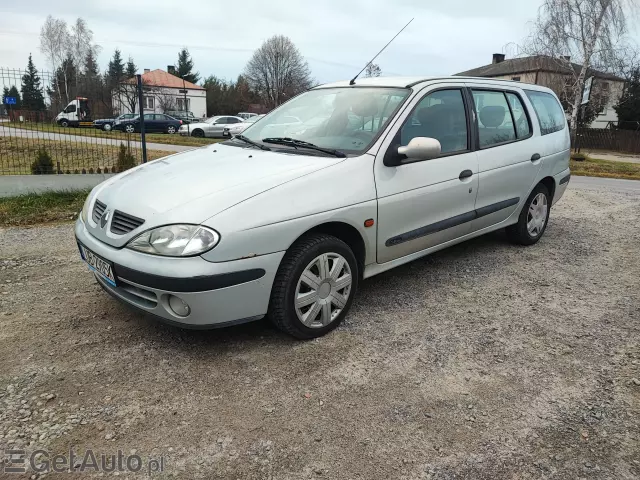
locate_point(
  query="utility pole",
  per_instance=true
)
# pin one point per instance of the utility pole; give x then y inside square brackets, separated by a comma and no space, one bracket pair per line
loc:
[143,139]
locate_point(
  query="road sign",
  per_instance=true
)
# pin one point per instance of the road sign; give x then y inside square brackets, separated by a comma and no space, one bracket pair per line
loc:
[586,93]
[10,100]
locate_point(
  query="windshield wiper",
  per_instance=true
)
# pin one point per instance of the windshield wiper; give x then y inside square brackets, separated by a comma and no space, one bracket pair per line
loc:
[301,143]
[251,142]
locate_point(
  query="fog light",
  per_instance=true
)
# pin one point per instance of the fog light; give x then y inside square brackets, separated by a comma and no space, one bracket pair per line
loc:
[179,306]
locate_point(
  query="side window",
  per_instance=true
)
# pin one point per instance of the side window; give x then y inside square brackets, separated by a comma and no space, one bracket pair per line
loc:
[148,117]
[495,124]
[548,110]
[523,129]
[440,115]
[70,109]
[233,120]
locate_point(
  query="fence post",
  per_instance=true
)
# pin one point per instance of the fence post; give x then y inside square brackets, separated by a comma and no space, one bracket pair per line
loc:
[143,139]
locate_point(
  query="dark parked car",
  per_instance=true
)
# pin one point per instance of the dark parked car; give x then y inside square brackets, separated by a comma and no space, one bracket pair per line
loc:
[186,117]
[108,124]
[153,123]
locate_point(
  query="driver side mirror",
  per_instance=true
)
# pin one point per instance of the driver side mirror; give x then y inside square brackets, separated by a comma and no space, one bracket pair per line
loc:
[419,148]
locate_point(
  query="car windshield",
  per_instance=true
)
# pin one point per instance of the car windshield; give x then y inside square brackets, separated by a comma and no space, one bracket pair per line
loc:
[253,119]
[345,119]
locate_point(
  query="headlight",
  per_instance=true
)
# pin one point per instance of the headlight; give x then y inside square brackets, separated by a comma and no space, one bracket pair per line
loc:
[85,209]
[176,240]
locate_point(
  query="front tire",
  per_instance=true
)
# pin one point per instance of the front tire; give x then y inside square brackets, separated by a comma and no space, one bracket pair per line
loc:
[197,133]
[107,127]
[314,287]
[64,123]
[533,219]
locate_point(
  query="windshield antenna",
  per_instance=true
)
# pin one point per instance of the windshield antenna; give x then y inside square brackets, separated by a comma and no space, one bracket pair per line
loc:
[353,80]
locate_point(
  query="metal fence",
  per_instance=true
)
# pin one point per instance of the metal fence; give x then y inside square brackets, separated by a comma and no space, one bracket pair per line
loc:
[35,137]
[613,139]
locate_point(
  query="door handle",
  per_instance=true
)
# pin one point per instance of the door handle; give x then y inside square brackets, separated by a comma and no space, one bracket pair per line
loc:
[535,157]
[465,174]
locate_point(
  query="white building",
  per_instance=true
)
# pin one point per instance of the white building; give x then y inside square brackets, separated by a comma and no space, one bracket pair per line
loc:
[162,92]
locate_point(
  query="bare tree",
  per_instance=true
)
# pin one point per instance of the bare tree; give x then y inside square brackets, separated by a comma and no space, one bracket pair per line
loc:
[590,33]
[166,101]
[81,43]
[277,71]
[54,44]
[372,70]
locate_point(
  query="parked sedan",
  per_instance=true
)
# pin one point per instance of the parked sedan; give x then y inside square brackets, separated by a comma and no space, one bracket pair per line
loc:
[108,124]
[153,123]
[211,127]
[238,128]
[186,117]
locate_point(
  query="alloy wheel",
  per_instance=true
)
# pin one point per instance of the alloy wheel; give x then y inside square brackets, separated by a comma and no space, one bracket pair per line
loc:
[323,290]
[537,215]
[129,128]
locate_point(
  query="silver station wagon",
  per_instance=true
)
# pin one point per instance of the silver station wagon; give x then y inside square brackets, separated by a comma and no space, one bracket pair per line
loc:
[286,219]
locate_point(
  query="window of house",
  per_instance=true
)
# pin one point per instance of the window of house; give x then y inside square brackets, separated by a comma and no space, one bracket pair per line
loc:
[548,110]
[515,79]
[184,104]
[440,115]
[149,103]
[495,124]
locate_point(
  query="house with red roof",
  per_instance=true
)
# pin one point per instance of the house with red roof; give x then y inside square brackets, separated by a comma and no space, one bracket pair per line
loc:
[162,92]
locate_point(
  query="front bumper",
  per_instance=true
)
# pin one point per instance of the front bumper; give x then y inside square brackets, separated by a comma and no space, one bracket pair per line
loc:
[218,294]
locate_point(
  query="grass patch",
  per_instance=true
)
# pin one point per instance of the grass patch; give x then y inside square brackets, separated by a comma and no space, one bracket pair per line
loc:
[163,138]
[41,208]
[594,167]
[17,154]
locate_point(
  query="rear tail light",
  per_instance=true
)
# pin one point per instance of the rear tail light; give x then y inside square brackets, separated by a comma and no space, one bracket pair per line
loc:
[180,122]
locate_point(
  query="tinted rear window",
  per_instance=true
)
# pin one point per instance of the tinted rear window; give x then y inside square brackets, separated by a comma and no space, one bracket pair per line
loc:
[548,110]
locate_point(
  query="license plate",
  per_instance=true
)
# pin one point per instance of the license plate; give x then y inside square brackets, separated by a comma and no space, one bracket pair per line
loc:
[98,264]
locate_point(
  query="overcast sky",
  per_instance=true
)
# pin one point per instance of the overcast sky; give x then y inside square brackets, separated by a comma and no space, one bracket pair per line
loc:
[337,37]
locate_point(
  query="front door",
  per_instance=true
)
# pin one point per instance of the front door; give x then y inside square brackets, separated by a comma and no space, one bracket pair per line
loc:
[426,203]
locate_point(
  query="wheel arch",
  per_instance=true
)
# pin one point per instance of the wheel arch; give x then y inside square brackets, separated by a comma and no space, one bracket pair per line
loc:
[345,232]
[550,183]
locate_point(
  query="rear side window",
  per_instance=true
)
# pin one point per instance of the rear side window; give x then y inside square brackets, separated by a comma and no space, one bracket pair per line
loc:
[495,124]
[549,112]
[523,129]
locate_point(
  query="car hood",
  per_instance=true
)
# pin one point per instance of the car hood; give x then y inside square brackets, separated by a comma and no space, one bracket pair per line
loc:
[193,186]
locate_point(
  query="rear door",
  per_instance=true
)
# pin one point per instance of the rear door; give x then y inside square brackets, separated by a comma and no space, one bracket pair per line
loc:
[150,124]
[509,155]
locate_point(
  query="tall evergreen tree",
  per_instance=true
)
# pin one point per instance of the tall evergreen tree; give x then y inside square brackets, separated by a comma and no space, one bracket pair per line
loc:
[65,82]
[32,97]
[628,108]
[115,70]
[184,67]
[131,68]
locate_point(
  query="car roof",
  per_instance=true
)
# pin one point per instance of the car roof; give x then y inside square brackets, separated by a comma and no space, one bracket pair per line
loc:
[407,82]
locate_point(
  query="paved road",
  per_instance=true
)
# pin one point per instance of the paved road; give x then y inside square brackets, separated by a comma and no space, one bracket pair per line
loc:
[16,132]
[612,184]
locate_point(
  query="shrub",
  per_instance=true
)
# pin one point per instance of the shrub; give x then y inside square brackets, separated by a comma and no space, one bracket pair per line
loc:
[42,165]
[91,170]
[125,159]
[578,157]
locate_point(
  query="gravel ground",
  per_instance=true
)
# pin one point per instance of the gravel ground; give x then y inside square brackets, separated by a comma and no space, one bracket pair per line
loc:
[484,361]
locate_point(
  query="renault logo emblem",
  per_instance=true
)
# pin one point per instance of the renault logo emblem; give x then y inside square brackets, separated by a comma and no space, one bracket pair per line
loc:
[104,219]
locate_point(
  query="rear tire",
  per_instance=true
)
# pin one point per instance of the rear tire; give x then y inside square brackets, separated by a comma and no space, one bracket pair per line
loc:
[171,129]
[305,311]
[533,219]
[197,133]
[129,128]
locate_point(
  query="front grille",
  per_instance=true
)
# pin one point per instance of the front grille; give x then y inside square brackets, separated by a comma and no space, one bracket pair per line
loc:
[123,223]
[98,210]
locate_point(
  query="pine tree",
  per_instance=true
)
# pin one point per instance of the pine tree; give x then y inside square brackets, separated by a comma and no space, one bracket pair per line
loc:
[115,70]
[91,79]
[184,67]
[131,68]
[628,108]
[65,82]
[32,97]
